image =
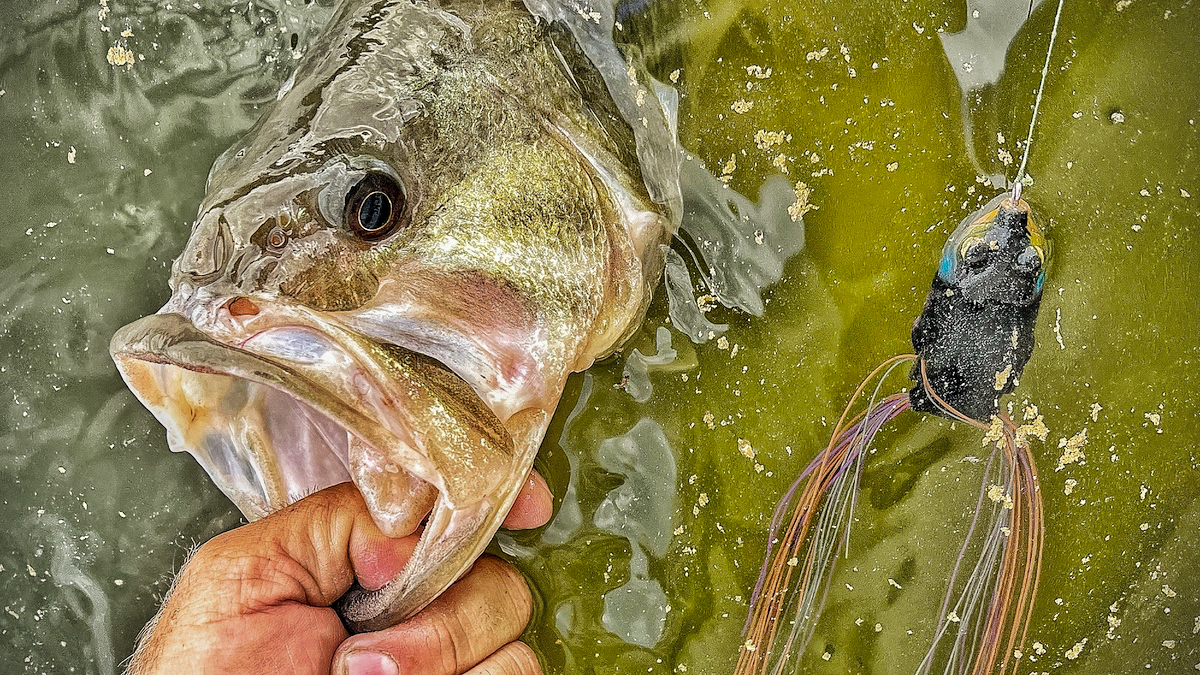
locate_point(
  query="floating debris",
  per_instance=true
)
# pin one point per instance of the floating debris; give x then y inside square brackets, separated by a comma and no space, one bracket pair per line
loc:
[766,140]
[802,205]
[1072,449]
[120,56]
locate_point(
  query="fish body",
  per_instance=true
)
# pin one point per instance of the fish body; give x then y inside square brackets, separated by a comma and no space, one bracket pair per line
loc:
[975,334]
[390,278]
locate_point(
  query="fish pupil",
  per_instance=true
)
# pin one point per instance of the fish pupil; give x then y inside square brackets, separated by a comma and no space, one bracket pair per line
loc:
[375,212]
[375,207]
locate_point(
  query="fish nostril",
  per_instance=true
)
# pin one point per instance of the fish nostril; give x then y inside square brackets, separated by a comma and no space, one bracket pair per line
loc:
[241,306]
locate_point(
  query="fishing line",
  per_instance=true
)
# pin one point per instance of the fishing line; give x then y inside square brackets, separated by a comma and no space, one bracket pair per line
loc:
[1037,102]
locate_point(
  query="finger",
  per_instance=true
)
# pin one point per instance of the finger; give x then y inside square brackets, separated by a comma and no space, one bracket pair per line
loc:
[308,552]
[255,599]
[534,505]
[514,658]
[485,610]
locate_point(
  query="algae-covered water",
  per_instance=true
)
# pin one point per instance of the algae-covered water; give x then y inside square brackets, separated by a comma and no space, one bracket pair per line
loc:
[664,504]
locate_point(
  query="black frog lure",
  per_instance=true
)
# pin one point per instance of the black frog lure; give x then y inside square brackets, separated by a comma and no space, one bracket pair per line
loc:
[971,344]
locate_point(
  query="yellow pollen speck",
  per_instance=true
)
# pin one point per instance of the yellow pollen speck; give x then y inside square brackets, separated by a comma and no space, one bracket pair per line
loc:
[767,139]
[817,55]
[802,205]
[1034,427]
[1074,652]
[1072,449]
[727,169]
[120,56]
[1002,377]
[996,494]
[995,433]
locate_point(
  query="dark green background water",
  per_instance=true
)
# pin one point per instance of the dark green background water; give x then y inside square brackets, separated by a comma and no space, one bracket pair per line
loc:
[663,519]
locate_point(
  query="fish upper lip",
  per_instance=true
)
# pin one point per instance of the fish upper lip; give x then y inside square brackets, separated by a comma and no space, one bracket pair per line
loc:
[172,339]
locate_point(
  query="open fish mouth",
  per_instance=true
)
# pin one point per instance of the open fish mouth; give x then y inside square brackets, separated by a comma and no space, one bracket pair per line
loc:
[298,406]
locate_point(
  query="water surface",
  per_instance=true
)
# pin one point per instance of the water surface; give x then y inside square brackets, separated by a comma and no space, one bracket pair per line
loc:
[665,503]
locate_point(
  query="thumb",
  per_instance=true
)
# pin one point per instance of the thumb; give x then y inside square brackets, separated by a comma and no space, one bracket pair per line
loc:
[256,599]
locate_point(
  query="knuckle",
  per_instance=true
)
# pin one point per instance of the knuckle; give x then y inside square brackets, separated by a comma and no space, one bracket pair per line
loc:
[447,638]
[517,593]
[515,658]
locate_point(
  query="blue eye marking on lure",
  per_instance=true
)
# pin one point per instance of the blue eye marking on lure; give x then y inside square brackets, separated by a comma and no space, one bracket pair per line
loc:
[946,269]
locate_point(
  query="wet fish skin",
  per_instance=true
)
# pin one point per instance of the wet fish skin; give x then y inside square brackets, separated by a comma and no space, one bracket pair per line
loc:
[423,364]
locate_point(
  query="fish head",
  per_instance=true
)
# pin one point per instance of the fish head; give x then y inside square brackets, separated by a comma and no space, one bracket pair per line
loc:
[391,277]
[997,254]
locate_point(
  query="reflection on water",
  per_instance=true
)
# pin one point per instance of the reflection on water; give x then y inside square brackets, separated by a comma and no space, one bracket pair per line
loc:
[105,166]
[642,511]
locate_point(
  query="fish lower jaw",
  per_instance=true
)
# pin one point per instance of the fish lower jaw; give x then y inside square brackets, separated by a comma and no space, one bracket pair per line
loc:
[291,412]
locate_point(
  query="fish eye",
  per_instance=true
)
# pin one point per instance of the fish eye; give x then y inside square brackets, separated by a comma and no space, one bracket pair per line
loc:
[974,250]
[375,207]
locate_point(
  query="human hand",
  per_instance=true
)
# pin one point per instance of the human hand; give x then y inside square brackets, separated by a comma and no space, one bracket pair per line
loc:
[257,600]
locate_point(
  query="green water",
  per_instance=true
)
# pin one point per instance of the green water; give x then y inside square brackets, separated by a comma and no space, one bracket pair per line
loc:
[663,518]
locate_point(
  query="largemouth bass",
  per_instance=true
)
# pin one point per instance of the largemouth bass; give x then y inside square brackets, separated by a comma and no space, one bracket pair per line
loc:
[449,209]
